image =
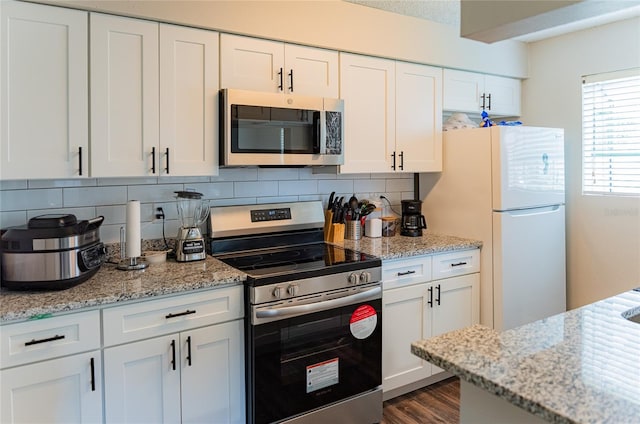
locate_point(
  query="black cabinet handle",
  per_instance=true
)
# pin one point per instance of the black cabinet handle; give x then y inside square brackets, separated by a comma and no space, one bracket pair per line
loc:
[400,274]
[167,158]
[459,264]
[402,160]
[291,80]
[48,339]
[93,376]
[173,354]
[280,87]
[438,294]
[393,155]
[189,350]
[179,314]
[153,160]
[483,100]
[489,97]
[80,160]
[430,301]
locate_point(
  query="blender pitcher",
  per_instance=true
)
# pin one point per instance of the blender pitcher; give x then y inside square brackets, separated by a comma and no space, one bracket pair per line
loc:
[193,212]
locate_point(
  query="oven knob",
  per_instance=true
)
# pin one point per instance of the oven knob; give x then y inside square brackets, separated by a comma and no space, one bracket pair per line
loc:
[277,292]
[365,277]
[353,278]
[292,290]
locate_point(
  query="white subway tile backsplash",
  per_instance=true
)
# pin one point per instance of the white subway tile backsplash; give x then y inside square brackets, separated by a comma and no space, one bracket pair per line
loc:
[367,186]
[339,186]
[79,213]
[218,190]
[13,219]
[116,214]
[255,188]
[234,201]
[276,199]
[13,185]
[309,174]
[291,188]
[80,182]
[127,181]
[15,200]
[236,174]
[399,184]
[277,174]
[154,193]
[94,196]
[184,180]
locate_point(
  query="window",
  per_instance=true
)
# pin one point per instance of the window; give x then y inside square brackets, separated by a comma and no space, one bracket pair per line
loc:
[611,133]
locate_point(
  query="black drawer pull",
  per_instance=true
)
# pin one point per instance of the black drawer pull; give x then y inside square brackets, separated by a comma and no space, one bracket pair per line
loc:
[187,312]
[189,350]
[459,264]
[173,354]
[93,376]
[400,274]
[49,339]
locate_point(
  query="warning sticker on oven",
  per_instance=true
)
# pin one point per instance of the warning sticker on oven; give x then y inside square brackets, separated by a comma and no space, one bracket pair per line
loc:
[322,374]
[363,321]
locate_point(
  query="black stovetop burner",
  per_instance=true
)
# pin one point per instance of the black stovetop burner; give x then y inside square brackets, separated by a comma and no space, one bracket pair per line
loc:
[266,266]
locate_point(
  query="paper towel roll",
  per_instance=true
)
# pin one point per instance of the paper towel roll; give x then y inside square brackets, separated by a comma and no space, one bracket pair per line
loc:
[373,227]
[133,229]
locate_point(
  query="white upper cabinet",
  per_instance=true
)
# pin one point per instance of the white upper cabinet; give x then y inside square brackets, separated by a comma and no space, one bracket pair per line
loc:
[153,99]
[188,100]
[368,87]
[472,92]
[124,97]
[418,143]
[44,106]
[263,65]
[393,115]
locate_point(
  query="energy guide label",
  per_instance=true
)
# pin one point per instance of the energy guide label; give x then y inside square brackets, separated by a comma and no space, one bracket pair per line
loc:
[363,321]
[322,374]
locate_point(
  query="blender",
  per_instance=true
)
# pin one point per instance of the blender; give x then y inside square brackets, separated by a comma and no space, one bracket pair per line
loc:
[193,212]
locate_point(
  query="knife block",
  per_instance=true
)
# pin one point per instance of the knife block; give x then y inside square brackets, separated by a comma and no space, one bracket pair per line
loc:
[333,232]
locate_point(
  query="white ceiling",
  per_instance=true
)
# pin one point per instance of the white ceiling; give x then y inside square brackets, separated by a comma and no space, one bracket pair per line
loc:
[448,12]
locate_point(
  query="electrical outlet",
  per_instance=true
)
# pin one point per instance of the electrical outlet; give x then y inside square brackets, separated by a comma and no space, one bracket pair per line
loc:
[159,213]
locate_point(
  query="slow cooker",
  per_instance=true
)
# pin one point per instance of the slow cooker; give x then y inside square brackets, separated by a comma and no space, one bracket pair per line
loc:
[51,252]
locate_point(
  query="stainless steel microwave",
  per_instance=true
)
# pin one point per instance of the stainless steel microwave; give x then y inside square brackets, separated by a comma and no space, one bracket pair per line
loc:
[276,129]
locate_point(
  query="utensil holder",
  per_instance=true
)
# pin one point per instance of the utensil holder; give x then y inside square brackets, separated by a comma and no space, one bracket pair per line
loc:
[353,230]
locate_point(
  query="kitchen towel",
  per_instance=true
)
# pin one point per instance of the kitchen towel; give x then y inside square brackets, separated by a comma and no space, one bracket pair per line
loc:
[133,229]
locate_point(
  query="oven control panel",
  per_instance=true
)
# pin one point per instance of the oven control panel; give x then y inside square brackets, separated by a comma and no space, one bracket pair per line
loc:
[277,214]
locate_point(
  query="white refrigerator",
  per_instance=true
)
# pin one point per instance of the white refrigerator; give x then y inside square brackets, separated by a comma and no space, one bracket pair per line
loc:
[504,185]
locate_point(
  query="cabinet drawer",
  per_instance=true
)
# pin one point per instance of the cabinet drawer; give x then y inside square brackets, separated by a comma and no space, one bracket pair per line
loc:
[405,272]
[456,263]
[152,318]
[33,341]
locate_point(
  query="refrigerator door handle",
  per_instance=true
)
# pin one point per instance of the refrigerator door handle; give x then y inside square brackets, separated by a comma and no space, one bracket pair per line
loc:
[531,211]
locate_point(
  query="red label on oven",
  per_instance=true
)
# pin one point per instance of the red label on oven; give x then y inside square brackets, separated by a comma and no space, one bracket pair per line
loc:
[363,321]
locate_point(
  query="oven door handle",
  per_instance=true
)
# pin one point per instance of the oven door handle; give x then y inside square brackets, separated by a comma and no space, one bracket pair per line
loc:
[277,313]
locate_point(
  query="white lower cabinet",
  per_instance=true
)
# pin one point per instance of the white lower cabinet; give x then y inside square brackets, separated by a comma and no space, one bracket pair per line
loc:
[51,370]
[190,377]
[177,359]
[416,307]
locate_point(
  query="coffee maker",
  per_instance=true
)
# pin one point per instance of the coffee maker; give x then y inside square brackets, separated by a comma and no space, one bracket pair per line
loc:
[193,212]
[412,219]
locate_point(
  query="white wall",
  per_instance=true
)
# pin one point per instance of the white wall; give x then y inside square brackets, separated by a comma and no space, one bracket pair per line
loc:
[603,233]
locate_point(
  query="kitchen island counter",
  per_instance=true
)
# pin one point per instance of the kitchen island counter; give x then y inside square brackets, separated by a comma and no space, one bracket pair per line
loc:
[111,285]
[581,366]
[398,246]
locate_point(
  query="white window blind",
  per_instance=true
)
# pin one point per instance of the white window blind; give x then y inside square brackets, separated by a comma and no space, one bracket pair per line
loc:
[611,133]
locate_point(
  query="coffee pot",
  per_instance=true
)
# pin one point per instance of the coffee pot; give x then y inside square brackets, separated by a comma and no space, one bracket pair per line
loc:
[412,221]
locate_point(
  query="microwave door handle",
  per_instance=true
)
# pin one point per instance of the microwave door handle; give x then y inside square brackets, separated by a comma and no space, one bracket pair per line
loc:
[276,313]
[317,133]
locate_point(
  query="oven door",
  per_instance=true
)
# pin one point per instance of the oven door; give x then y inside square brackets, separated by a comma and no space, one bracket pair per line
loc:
[301,361]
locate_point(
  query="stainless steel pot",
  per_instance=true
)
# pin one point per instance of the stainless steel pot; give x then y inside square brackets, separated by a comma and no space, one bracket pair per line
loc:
[51,252]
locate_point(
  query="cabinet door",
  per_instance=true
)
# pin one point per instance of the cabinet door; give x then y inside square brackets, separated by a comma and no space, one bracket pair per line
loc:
[213,374]
[141,384]
[505,95]
[251,63]
[407,318]
[311,71]
[124,97]
[65,390]
[367,85]
[462,91]
[418,118]
[188,101]
[456,303]
[45,92]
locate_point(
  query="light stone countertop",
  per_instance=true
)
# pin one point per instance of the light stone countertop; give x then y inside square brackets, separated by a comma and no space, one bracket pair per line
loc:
[111,285]
[582,366]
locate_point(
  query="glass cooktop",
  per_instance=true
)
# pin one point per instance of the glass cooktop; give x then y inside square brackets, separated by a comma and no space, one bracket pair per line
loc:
[298,259]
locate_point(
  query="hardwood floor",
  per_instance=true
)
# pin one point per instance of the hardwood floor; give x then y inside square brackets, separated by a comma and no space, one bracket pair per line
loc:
[438,403]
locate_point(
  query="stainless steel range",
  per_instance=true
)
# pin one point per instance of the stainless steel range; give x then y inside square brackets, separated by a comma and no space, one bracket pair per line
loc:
[313,326]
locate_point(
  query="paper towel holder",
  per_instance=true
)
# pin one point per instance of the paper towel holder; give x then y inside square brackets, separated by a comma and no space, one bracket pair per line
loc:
[129,264]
